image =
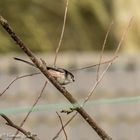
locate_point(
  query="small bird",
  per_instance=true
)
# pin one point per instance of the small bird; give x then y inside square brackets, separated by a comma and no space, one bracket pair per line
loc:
[63,76]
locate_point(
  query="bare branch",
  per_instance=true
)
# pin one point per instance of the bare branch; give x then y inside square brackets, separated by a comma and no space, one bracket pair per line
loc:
[26,133]
[26,117]
[17,78]
[100,78]
[62,32]
[101,133]
[62,125]
[101,55]
[108,66]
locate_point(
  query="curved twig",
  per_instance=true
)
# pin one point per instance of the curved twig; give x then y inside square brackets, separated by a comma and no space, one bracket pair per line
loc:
[17,78]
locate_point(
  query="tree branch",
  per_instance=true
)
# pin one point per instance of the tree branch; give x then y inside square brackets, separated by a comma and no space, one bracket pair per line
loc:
[26,133]
[62,89]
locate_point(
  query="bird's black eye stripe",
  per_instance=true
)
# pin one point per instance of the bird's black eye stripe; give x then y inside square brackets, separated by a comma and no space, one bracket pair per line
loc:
[67,72]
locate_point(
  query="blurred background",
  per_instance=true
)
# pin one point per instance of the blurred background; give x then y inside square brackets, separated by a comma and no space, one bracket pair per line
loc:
[39,24]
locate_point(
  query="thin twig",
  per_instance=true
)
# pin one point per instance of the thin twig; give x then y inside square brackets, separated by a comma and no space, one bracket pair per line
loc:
[57,135]
[108,66]
[26,133]
[62,32]
[101,133]
[62,125]
[97,82]
[87,67]
[103,47]
[34,104]
[17,78]
[124,35]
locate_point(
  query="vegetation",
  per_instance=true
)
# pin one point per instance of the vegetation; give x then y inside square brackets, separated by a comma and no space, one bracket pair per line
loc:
[39,24]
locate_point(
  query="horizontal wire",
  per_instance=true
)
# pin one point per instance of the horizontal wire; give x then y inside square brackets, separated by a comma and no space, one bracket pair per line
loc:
[63,105]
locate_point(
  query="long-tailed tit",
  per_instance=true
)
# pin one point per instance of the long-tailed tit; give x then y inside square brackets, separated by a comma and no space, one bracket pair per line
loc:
[63,76]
